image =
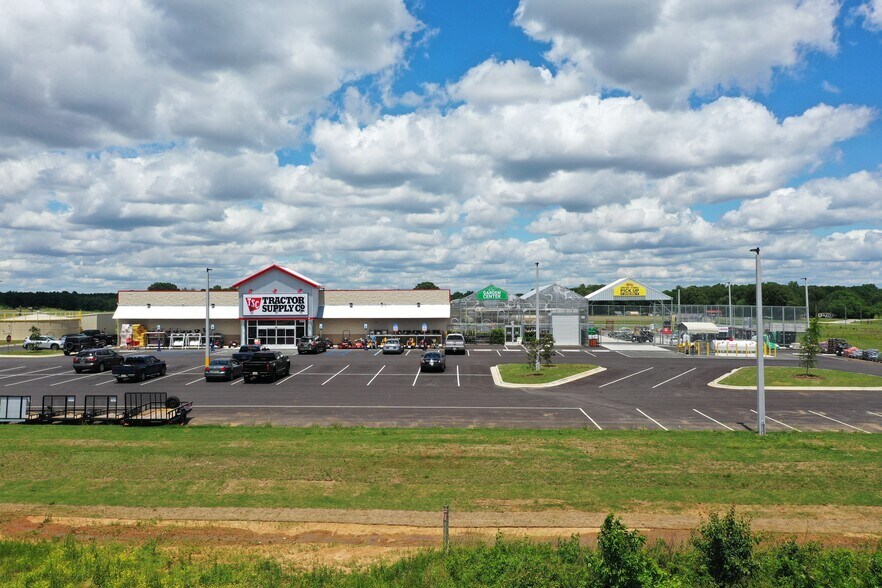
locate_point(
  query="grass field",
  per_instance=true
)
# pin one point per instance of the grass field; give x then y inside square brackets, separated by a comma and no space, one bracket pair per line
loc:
[19,350]
[790,376]
[420,469]
[519,373]
[866,334]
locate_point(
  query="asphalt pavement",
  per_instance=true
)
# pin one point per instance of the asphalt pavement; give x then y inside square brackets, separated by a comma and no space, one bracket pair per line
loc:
[641,388]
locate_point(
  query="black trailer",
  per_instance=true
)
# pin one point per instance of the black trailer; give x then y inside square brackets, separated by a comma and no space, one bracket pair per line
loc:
[99,409]
[56,408]
[155,408]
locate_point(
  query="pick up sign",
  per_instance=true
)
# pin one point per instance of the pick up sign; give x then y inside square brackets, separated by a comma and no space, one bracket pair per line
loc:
[281,304]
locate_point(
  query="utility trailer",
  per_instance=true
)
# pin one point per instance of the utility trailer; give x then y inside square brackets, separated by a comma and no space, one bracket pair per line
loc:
[100,409]
[14,409]
[56,408]
[96,409]
[155,408]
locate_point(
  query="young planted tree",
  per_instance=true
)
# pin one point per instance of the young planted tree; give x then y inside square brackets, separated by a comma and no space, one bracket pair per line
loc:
[810,346]
[546,350]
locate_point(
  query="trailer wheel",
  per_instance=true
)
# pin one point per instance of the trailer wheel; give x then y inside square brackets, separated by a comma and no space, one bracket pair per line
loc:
[172,402]
[247,379]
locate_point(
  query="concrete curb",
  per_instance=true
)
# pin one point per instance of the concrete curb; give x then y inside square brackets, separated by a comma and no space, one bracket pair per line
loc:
[497,379]
[25,356]
[716,384]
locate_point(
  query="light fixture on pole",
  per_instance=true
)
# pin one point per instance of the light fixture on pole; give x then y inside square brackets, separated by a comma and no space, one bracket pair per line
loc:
[806,304]
[207,319]
[537,314]
[760,351]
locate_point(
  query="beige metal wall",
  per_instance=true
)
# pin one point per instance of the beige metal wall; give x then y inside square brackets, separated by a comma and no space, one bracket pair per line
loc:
[103,321]
[20,329]
[389,297]
[334,328]
[176,298]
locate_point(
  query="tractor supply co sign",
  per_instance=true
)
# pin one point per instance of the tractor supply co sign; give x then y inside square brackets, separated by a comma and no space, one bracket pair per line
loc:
[630,289]
[492,293]
[293,305]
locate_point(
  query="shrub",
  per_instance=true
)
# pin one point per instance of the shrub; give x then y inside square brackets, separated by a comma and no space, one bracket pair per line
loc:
[726,547]
[497,337]
[623,562]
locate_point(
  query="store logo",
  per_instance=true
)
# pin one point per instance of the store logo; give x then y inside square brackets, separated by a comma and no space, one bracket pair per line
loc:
[253,303]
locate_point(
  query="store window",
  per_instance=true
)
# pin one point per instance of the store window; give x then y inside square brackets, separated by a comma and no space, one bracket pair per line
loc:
[279,333]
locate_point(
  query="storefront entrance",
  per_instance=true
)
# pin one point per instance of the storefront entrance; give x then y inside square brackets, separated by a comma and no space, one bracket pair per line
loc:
[278,333]
[513,333]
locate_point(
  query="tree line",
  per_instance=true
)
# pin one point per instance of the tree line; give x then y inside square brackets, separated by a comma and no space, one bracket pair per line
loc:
[840,301]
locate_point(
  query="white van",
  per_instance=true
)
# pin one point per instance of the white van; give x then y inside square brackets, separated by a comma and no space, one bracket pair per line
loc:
[454,343]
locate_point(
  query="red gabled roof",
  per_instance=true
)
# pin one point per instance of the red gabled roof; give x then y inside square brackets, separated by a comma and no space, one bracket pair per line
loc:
[284,270]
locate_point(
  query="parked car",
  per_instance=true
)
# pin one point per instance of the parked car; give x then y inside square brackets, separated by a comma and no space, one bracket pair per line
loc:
[139,367]
[871,354]
[266,364]
[392,346]
[223,369]
[97,360]
[311,344]
[76,342]
[101,338]
[454,343]
[246,351]
[43,342]
[433,361]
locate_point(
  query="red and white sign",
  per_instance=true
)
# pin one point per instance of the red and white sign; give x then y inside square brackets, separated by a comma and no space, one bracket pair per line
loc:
[276,304]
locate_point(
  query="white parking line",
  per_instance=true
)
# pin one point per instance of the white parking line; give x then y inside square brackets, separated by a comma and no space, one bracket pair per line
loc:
[559,353]
[415,378]
[408,352]
[73,380]
[237,381]
[590,419]
[591,354]
[335,375]
[378,352]
[468,353]
[840,422]
[652,419]
[457,376]
[107,382]
[674,378]
[779,422]
[625,378]
[194,381]
[497,353]
[376,374]
[12,368]
[283,380]
[713,419]
[31,380]
[874,413]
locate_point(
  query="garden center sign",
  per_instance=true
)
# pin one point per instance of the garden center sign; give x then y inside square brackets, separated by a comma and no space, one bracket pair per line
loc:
[491,292]
[629,289]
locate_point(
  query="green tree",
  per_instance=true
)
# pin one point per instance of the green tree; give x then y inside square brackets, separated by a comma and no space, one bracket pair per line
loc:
[546,350]
[426,286]
[156,286]
[726,547]
[810,346]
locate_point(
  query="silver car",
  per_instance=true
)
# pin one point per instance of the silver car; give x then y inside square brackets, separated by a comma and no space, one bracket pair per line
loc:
[42,342]
[392,346]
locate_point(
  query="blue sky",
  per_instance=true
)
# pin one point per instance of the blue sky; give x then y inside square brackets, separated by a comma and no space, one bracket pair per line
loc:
[353,141]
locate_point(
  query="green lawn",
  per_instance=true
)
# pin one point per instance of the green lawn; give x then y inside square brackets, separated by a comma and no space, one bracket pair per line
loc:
[521,373]
[421,469]
[19,350]
[866,334]
[790,376]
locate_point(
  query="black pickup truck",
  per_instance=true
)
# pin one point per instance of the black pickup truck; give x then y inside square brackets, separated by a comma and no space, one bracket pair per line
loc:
[139,367]
[246,351]
[266,364]
[101,338]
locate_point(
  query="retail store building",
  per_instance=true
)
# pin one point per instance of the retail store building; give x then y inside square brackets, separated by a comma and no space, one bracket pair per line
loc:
[276,306]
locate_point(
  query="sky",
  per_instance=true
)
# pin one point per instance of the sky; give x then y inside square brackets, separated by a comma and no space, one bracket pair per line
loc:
[383,143]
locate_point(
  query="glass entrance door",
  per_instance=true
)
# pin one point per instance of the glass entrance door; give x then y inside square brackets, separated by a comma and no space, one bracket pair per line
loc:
[513,333]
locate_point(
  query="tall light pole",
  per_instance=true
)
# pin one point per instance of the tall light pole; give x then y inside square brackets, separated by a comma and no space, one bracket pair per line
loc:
[207,319]
[537,314]
[807,321]
[731,325]
[760,373]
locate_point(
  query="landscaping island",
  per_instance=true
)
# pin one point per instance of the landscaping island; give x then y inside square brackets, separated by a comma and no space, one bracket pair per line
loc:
[520,373]
[796,377]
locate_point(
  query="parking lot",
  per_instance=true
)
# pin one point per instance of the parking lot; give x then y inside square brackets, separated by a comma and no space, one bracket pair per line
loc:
[642,387]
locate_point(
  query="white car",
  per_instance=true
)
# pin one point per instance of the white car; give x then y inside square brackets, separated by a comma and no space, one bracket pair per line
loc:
[454,343]
[392,346]
[42,342]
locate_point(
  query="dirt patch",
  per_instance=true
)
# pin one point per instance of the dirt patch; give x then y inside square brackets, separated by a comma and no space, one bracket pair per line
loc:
[353,538]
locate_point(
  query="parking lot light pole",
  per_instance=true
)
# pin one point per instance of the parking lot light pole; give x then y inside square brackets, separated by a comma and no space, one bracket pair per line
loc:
[807,321]
[760,374]
[207,319]
[731,325]
[537,314]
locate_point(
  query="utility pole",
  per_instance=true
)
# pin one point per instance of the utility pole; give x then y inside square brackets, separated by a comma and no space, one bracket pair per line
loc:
[207,319]
[731,318]
[807,321]
[760,373]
